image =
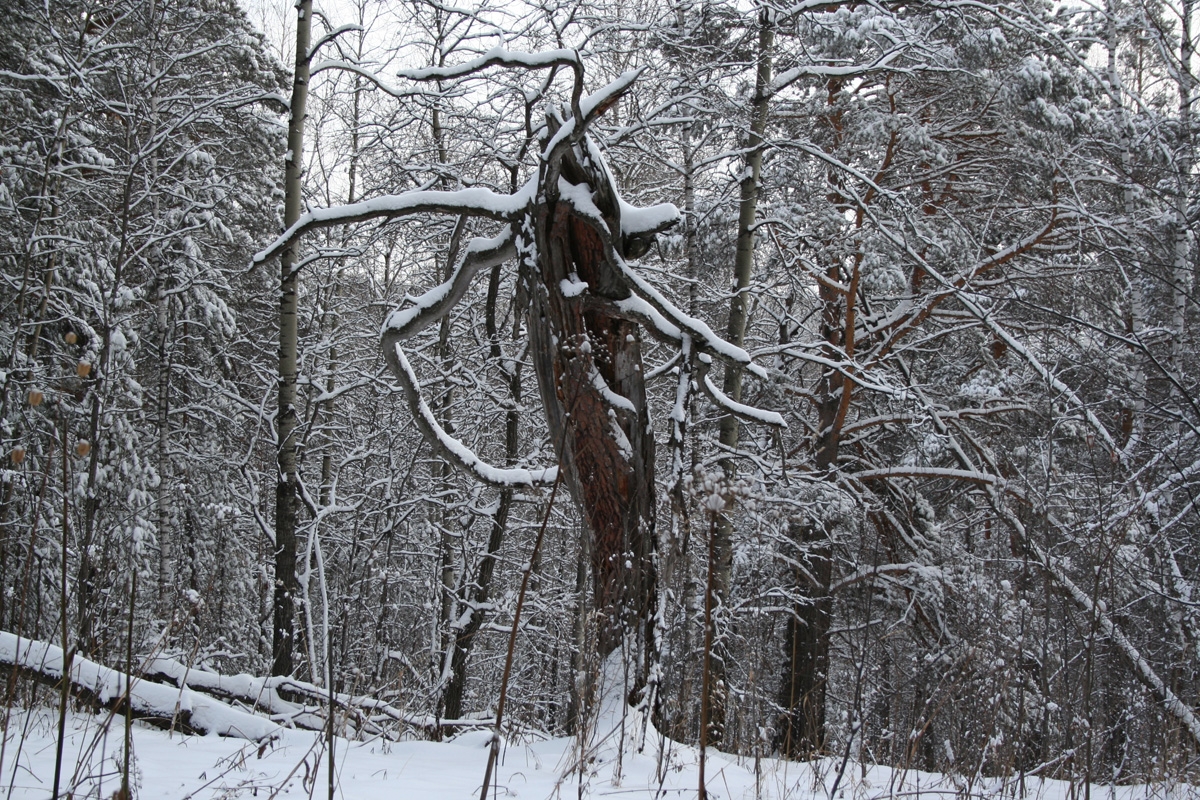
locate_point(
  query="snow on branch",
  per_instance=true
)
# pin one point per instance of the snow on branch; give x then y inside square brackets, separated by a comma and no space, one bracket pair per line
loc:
[268,695]
[1141,668]
[849,368]
[586,109]
[151,701]
[497,57]
[474,202]
[512,59]
[786,79]
[424,311]
[748,413]
[447,446]
[346,66]
[329,37]
[807,5]
[888,570]
[1042,370]
[940,414]
[602,99]
[647,304]
[638,221]
[617,401]
[970,476]
[437,302]
[666,320]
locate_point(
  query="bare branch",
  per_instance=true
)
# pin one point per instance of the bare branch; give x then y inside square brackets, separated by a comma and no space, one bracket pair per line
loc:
[329,37]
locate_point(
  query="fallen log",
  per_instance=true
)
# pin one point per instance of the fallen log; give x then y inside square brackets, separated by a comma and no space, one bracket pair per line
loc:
[295,703]
[173,707]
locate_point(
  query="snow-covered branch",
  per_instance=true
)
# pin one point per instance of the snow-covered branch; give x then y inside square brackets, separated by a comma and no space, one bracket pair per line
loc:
[748,413]
[291,701]
[503,57]
[787,78]
[454,451]
[497,57]
[474,202]
[436,303]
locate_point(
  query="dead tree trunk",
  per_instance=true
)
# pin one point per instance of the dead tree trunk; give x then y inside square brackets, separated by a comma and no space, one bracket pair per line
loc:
[587,356]
[585,308]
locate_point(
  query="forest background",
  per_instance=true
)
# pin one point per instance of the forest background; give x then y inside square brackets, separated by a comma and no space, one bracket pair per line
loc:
[956,237]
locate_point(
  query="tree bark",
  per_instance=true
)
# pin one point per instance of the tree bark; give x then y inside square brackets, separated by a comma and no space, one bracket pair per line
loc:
[1181,283]
[287,483]
[801,732]
[587,357]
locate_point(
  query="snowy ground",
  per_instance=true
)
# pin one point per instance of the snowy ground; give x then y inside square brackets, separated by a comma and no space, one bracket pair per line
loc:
[625,759]
[178,767]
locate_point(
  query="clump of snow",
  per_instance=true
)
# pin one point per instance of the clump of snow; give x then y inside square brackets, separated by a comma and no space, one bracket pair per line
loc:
[580,198]
[635,220]
[572,287]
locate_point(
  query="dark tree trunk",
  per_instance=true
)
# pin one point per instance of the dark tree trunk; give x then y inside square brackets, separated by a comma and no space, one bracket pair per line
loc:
[589,368]
[464,638]
[801,731]
[480,590]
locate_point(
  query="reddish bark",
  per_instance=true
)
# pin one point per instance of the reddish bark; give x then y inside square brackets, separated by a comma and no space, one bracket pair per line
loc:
[582,344]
